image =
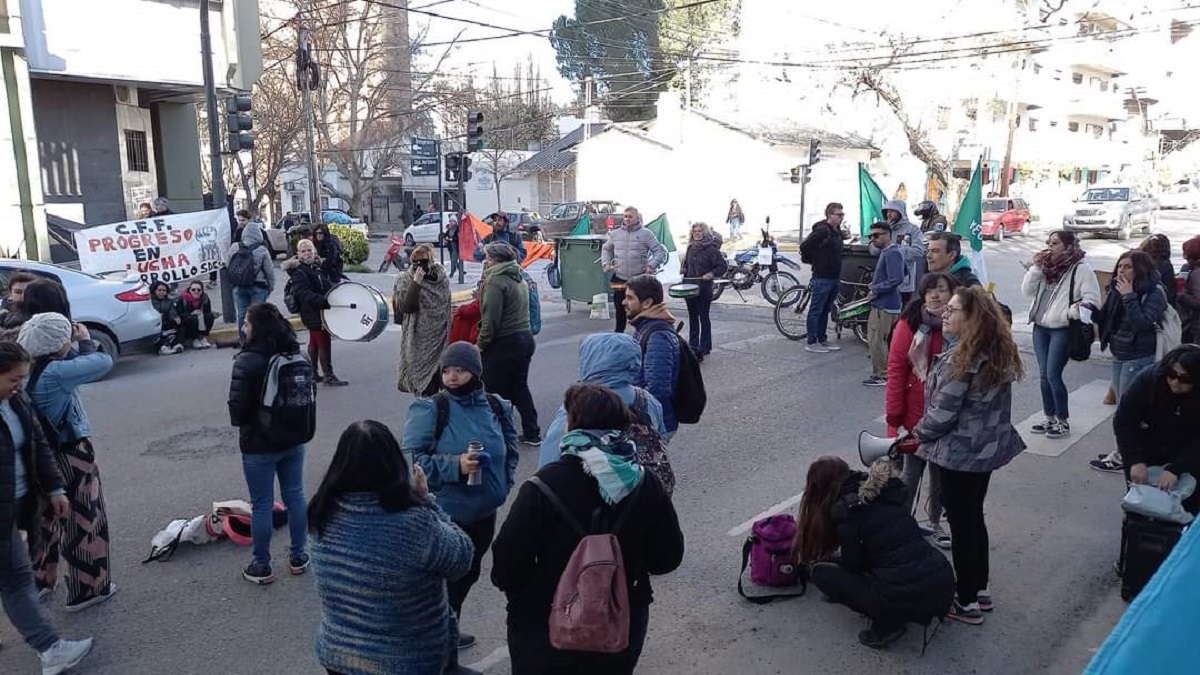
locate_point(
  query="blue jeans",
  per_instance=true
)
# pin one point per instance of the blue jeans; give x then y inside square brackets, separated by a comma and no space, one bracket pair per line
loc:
[820,304]
[243,297]
[1050,348]
[20,598]
[1123,373]
[260,472]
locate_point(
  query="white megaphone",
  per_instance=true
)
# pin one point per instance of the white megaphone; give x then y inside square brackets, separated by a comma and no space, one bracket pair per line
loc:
[872,447]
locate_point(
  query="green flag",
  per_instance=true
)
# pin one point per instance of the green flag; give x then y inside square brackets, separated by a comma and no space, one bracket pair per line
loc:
[968,222]
[662,230]
[583,227]
[870,200]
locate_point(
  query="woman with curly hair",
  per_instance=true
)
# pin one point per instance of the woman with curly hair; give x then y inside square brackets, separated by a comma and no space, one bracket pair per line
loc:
[967,432]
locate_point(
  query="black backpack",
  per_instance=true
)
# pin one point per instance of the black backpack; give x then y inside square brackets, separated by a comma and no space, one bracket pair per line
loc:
[289,298]
[241,268]
[288,414]
[689,397]
[442,401]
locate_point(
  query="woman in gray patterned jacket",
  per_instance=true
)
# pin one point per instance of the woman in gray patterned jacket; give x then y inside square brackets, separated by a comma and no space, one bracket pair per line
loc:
[967,432]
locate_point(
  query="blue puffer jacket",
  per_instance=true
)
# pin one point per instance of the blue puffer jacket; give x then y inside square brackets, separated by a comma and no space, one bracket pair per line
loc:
[56,393]
[471,419]
[611,359]
[660,365]
[1128,323]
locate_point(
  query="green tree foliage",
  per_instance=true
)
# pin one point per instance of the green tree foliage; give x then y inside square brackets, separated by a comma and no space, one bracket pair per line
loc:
[688,31]
[354,243]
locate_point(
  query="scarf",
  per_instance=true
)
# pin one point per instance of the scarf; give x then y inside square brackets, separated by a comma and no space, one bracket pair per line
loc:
[474,385]
[1053,268]
[919,351]
[608,456]
[195,301]
[658,311]
[423,335]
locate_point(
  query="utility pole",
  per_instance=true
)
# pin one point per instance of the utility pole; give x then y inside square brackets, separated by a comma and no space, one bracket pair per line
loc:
[306,79]
[587,108]
[214,146]
[440,203]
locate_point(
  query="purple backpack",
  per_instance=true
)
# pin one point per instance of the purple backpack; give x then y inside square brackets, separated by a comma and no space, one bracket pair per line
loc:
[768,551]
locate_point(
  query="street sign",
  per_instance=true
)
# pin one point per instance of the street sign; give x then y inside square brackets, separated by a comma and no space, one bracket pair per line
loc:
[424,166]
[424,147]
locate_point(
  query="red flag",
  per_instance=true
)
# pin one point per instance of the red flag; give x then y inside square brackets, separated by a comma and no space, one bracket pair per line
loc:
[537,250]
[470,232]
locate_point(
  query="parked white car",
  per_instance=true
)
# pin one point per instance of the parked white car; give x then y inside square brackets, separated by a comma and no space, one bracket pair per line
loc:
[426,229]
[1183,196]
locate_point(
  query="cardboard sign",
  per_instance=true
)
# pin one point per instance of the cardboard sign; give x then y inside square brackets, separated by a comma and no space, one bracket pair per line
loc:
[172,248]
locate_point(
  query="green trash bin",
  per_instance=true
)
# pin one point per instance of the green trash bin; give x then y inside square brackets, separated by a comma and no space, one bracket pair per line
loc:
[579,263]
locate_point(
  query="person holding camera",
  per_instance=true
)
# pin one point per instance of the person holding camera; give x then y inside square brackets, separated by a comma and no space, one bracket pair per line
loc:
[421,301]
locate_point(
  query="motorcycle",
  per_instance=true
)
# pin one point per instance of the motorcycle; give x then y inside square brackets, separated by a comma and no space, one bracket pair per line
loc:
[760,265]
[396,255]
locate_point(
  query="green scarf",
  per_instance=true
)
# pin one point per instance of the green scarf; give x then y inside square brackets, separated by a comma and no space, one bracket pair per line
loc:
[607,456]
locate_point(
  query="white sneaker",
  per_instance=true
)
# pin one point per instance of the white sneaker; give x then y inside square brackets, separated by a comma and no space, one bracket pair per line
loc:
[817,349]
[205,344]
[196,344]
[166,351]
[64,654]
[831,347]
[178,349]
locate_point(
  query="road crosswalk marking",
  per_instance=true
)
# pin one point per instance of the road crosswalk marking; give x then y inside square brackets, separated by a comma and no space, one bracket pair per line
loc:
[1088,412]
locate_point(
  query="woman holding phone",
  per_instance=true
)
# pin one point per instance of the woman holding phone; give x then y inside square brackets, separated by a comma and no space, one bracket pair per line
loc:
[465,442]
[421,300]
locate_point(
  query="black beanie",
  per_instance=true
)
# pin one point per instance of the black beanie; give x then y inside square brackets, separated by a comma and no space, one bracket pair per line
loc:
[463,355]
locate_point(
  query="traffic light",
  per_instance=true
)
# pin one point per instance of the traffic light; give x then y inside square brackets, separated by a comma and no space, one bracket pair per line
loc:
[474,131]
[453,166]
[465,171]
[238,123]
[796,174]
[814,152]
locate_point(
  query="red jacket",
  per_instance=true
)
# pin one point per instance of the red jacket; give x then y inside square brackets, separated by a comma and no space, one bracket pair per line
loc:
[464,324]
[905,400]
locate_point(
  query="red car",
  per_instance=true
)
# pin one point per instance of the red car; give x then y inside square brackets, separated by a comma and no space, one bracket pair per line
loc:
[1003,216]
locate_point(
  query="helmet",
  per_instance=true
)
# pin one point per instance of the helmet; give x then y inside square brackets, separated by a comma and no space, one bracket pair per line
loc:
[926,209]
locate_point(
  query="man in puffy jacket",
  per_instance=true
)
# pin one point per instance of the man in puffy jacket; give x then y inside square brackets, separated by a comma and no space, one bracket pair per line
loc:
[655,326]
[264,273]
[912,245]
[629,251]
[500,233]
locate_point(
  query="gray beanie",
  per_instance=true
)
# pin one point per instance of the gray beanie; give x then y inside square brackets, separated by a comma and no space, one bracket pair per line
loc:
[45,334]
[501,252]
[463,355]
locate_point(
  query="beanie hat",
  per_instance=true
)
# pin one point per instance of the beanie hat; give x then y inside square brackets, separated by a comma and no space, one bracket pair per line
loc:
[500,251]
[463,355]
[45,334]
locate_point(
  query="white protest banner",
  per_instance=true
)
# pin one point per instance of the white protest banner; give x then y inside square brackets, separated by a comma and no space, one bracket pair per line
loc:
[171,248]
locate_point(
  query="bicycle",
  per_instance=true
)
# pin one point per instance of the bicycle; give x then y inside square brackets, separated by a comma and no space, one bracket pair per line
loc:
[850,310]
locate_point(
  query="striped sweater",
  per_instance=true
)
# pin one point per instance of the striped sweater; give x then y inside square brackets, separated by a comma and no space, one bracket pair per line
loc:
[382,578]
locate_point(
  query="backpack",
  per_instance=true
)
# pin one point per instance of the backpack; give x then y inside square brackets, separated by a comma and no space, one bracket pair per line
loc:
[288,415]
[590,611]
[289,298]
[689,397]
[768,551]
[535,304]
[651,448]
[806,250]
[241,268]
[442,402]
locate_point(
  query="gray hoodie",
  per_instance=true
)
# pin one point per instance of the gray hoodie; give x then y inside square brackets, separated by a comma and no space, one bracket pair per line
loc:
[252,238]
[912,245]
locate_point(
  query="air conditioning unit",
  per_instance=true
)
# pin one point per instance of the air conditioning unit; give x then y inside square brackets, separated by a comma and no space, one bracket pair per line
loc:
[125,95]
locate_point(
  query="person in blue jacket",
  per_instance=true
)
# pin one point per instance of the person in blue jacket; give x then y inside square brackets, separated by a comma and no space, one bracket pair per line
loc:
[615,361]
[655,326]
[473,415]
[80,542]
[501,233]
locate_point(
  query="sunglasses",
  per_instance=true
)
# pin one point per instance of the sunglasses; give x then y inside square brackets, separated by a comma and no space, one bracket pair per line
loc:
[876,235]
[1179,377]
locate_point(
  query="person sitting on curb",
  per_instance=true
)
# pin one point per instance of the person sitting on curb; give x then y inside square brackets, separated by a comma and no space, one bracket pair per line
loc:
[195,308]
[170,323]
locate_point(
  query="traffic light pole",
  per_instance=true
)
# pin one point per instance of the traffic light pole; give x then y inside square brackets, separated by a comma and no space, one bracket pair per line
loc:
[440,203]
[803,190]
[461,197]
[228,309]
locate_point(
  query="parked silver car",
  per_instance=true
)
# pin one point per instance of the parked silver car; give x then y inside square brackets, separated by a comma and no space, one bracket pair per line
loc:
[116,311]
[1112,210]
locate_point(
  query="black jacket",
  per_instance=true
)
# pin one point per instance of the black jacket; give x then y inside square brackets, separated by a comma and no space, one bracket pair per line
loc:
[703,257]
[880,539]
[309,286]
[41,473]
[245,398]
[1128,323]
[535,543]
[184,308]
[1166,274]
[1158,428]
[332,254]
[823,247]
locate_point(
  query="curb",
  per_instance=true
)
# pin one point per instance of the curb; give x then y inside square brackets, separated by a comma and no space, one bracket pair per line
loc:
[229,331]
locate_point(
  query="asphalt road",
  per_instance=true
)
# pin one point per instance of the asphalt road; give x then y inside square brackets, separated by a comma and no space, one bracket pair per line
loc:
[166,451]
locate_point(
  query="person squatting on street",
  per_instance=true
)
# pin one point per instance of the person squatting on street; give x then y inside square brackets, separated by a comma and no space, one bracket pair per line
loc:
[597,478]
[500,235]
[1060,281]
[505,339]
[79,543]
[911,242]
[1157,422]
[30,484]
[628,251]
[421,300]
[865,550]
[310,285]
[268,333]
[823,248]
[916,342]
[170,323]
[655,331]
[195,308]
[615,361]
[470,483]
[702,262]
[259,287]
[1189,299]
[967,432]
[885,298]
[382,553]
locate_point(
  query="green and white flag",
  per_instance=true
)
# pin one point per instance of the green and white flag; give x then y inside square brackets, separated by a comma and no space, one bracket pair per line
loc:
[969,223]
[870,201]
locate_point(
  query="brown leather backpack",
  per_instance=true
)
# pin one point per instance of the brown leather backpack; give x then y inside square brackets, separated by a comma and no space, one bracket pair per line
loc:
[590,612]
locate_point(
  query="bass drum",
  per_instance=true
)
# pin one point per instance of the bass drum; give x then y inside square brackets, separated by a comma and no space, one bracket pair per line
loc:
[357,312]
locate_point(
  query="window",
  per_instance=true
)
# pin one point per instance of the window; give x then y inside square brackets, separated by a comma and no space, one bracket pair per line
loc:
[1072,126]
[1033,124]
[1095,130]
[1103,85]
[1077,78]
[137,156]
[298,205]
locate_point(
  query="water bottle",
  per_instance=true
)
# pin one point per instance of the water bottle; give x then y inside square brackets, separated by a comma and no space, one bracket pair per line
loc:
[475,448]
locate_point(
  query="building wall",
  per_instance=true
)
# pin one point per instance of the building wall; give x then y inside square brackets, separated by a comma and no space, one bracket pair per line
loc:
[139,181]
[177,152]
